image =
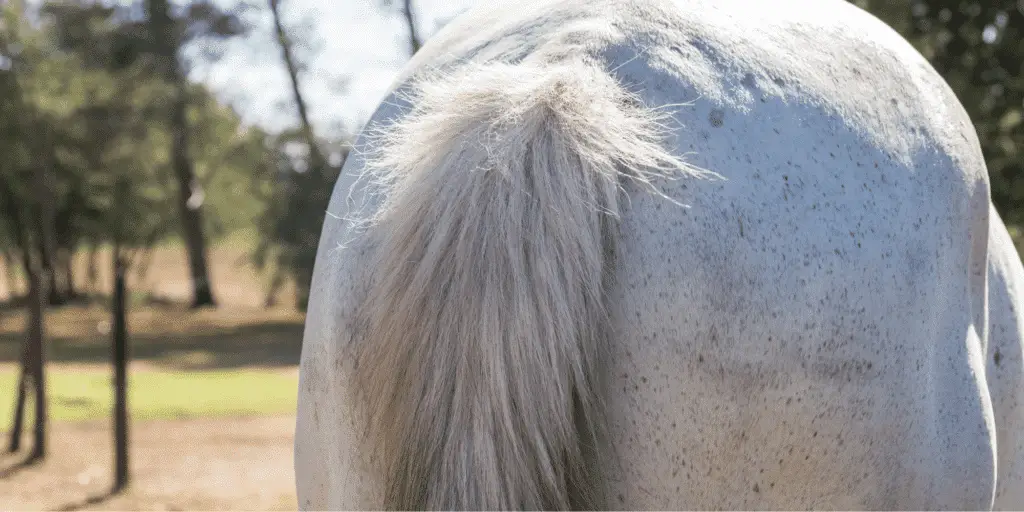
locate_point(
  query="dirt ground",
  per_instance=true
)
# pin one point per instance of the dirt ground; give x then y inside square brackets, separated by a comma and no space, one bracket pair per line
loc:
[207,464]
[196,464]
[236,283]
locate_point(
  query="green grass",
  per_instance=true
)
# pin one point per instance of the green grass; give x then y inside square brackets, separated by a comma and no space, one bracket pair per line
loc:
[236,360]
[83,394]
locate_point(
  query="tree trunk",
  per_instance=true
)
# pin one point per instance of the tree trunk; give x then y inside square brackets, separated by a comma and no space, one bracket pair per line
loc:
[318,164]
[165,40]
[142,269]
[410,22]
[19,405]
[277,280]
[91,271]
[67,259]
[285,44]
[40,274]
[20,231]
[62,290]
[190,207]
[53,295]
[55,290]
[303,278]
[25,370]
[66,231]
[120,353]
[38,282]
[9,275]
[33,353]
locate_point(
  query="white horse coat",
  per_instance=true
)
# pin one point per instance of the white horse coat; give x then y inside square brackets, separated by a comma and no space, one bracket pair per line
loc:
[816,329]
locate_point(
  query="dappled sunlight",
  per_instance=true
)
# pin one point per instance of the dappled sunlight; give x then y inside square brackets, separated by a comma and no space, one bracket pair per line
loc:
[171,338]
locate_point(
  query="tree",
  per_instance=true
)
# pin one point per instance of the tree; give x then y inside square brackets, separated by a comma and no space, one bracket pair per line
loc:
[118,125]
[166,43]
[33,350]
[405,9]
[301,178]
[86,153]
[287,56]
[119,337]
[24,194]
[113,39]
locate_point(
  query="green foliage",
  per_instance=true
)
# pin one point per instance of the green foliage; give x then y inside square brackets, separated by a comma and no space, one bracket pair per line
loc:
[81,95]
[228,158]
[978,47]
[298,195]
[89,76]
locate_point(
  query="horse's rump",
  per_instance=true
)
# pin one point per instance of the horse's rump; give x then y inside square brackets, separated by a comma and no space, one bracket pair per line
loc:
[486,313]
[807,335]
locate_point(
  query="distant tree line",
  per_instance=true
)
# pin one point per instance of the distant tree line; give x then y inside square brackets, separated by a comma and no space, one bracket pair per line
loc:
[106,140]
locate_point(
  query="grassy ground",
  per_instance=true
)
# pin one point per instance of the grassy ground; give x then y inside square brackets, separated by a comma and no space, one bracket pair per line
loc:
[211,395]
[84,393]
[167,337]
[232,361]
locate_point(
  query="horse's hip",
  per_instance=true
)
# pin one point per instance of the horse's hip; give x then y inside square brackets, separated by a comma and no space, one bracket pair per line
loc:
[835,366]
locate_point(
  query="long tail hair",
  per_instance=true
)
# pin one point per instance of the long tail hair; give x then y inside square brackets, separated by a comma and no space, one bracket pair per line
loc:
[480,341]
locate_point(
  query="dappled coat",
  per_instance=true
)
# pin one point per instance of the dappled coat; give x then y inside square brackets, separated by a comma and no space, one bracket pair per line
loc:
[682,254]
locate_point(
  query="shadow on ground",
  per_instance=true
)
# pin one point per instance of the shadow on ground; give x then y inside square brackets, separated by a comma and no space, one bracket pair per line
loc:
[91,501]
[171,337]
[9,469]
[270,344]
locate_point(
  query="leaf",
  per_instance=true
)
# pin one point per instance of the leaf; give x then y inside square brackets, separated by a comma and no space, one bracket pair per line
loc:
[1010,120]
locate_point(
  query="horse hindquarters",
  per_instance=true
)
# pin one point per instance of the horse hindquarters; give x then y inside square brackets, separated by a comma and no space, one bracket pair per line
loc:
[782,344]
[484,321]
[1005,367]
[808,334]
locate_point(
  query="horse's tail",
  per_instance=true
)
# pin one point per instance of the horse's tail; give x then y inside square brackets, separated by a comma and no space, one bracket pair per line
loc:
[481,335]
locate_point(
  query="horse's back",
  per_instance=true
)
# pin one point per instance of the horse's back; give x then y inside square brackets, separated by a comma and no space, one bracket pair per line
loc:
[807,333]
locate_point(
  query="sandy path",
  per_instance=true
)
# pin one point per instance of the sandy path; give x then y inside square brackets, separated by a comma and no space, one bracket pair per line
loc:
[206,464]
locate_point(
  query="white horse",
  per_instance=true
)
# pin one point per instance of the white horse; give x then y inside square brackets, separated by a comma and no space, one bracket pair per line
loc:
[659,254]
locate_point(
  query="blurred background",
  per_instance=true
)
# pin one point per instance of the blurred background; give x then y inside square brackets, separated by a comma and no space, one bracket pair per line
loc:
[165,166]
